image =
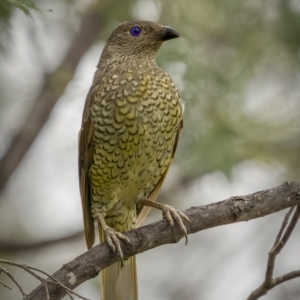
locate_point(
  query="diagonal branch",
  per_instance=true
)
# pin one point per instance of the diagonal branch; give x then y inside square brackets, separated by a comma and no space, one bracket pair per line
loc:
[34,272]
[232,210]
[281,240]
[54,86]
[14,247]
[13,279]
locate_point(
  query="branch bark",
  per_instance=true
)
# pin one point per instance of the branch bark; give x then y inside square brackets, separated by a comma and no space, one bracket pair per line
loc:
[233,210]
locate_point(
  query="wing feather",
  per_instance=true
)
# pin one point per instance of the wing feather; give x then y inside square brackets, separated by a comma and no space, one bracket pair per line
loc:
[85,160]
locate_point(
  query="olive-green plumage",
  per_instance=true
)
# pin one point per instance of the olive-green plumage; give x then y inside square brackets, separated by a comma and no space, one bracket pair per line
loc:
[132,118]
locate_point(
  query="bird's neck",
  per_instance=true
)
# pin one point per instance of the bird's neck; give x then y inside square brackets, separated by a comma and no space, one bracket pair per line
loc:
[131,60]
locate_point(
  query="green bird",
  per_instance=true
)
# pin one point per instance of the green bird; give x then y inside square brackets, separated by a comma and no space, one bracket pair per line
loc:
[131,123]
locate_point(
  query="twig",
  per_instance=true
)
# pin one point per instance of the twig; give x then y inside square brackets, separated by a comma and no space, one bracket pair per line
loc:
[272,255]
[287,233]
[13,279]
[69,291]
[6,286]
[280,241]
[44,281]
[286,277]
[284,223]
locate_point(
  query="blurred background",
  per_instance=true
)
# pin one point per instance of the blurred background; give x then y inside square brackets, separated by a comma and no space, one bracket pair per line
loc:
[237,68]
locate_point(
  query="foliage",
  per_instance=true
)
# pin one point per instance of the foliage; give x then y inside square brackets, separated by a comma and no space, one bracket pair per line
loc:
[7,6]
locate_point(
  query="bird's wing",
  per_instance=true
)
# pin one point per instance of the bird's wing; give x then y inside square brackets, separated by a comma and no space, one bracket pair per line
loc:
[85,159]
[144,210]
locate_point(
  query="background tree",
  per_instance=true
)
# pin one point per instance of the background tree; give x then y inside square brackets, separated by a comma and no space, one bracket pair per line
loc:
[237,67]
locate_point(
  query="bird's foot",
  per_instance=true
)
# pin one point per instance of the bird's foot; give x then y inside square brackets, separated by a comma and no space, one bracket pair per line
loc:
[113,239]
[171,214]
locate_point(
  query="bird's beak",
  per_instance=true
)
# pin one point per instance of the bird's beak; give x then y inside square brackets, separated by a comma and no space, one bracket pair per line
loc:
[169,33]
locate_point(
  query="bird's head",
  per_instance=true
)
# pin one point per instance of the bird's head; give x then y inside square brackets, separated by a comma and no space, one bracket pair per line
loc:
[140,39]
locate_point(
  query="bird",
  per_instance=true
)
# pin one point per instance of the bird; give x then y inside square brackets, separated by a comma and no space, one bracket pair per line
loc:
[132,119]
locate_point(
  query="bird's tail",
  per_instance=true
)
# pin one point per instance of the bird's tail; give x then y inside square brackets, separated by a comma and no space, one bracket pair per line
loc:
[119,283]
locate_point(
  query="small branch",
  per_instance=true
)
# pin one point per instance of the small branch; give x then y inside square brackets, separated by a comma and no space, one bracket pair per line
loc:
[6,286]
[286,277]
[45,282]
[69,292]
[272,253]
[280,241]
[232,210]
[287,233]
[13,279]
[284,223]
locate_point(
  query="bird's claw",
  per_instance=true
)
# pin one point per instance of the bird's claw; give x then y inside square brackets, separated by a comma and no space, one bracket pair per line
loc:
[172,214]
[113,239]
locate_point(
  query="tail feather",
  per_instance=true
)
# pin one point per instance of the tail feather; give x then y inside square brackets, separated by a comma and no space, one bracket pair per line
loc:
[126,287]
[119,283]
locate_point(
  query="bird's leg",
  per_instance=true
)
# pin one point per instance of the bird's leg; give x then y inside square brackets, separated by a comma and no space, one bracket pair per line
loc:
[171,214]
[112,237]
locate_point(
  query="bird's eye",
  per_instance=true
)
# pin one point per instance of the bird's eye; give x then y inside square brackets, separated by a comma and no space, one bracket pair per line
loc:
[135,31]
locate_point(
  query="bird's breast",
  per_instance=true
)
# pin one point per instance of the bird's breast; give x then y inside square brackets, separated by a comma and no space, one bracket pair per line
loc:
[136,119]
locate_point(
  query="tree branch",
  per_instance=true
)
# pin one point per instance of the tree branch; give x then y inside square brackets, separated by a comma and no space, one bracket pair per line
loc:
[281,240]
[232,210]
[22,247]
[53,88]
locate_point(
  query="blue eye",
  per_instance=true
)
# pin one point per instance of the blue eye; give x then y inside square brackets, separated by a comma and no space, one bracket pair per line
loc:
[135,31]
